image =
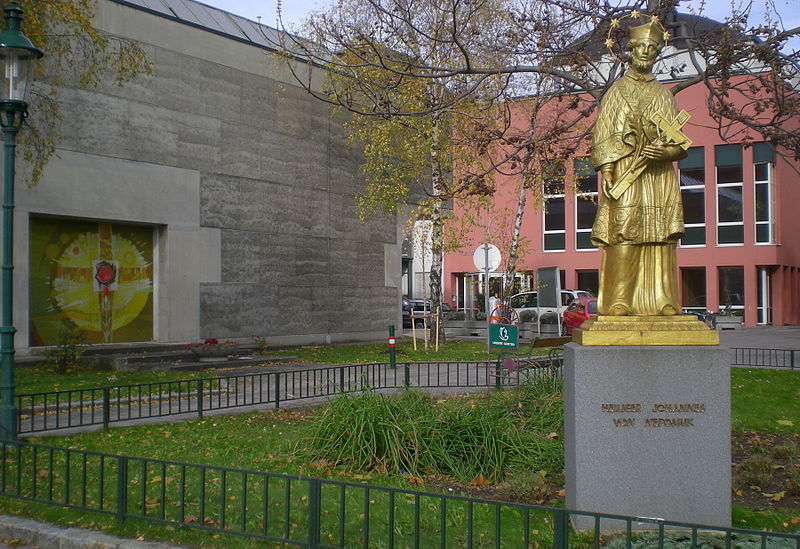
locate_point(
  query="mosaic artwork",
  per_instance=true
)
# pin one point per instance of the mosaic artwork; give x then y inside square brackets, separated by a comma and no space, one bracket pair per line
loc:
[94,279]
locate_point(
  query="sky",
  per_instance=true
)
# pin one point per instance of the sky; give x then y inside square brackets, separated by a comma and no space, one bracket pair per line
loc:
[294,11]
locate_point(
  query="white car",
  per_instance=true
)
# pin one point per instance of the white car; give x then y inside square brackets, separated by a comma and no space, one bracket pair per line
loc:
[528,301]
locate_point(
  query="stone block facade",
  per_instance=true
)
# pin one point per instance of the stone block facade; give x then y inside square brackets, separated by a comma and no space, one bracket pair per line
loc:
[246,180]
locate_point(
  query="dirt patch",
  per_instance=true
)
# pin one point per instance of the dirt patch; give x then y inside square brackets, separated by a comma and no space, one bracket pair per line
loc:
[766,470]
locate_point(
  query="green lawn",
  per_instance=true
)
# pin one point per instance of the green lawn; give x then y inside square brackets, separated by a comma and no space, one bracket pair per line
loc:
[35,379]
[765,400]
[762,400]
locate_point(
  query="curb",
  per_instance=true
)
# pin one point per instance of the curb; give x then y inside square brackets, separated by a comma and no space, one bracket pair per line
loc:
[47,536]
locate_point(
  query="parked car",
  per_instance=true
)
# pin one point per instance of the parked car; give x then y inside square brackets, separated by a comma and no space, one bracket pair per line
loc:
[578,312]
[419,306]
[529,300]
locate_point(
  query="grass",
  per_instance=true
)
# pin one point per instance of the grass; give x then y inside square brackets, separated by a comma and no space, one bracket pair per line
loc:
[765,400]
[378,352]
[762,400]
[275,442]
[39,379]
[45,378]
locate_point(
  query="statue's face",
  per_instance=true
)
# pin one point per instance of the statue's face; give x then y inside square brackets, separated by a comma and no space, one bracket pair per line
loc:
[643,54]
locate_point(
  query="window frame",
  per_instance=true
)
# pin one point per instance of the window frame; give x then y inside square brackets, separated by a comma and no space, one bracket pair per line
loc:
[729,185]
[770,222]
[591,196]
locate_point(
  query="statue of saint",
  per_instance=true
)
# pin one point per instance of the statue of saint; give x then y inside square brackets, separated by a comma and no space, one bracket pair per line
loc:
[640,217]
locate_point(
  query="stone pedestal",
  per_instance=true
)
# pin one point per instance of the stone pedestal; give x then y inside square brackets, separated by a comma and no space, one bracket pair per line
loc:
[647,432]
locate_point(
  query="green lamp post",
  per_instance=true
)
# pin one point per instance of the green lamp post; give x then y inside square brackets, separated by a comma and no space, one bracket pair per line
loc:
[17,57]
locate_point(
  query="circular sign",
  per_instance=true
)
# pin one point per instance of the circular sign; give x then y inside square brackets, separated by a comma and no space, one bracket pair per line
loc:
[479,257]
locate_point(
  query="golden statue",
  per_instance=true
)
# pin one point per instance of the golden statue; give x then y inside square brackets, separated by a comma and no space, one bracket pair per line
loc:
[639,221]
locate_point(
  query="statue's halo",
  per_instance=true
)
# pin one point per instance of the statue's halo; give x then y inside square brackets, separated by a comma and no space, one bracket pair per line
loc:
[618,32]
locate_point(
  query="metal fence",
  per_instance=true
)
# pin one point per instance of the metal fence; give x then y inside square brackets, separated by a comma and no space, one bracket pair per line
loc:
[47,411]
[320,513]
[765,358]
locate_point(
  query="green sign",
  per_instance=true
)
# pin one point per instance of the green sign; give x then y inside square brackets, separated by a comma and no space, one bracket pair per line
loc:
[503,335]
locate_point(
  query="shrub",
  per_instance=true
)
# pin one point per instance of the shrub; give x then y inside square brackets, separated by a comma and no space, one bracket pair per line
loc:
[549,318]
[454,315]
[785,451]
[756,470]
[527,316]
[525,487]
[261,345]
[68,352]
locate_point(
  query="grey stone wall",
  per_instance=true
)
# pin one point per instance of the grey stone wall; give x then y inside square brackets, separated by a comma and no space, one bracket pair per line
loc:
[277,186]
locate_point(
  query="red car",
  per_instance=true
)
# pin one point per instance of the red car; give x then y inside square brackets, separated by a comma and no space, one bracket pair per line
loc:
[578,312]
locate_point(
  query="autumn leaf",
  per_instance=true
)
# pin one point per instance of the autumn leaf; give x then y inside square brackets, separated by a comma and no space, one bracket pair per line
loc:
[480,480]
[552,436]
[786,423]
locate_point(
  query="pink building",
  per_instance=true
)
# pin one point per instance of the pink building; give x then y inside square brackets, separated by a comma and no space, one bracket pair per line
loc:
[742,242]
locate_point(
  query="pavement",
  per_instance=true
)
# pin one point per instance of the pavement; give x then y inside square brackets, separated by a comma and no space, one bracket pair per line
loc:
[20,532]
[762,337]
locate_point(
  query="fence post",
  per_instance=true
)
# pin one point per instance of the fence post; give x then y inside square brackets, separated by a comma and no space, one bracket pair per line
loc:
[392,352]
[200,398]
[277,390]
[122,488]
[341,379]
[407,376]
[497,373]
[314,512]
[106,406]
[791,358]
[560,529]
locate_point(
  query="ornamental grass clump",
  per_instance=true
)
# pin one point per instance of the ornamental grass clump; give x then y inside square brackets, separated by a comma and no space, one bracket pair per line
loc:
[482,436]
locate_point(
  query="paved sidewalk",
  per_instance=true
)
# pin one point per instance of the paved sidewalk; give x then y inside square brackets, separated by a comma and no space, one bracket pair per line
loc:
[762,337]
[14,530]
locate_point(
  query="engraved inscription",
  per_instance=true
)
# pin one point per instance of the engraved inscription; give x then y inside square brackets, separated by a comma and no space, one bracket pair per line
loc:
[621,408]
[669,422]
[658,408]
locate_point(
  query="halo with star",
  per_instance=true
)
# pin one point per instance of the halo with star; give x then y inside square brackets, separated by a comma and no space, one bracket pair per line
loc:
[617,34]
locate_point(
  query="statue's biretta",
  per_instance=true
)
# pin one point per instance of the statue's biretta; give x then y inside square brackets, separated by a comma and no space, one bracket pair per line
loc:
[648,31]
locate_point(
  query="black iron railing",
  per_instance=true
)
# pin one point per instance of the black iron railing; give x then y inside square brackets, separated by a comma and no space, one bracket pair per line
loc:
[49,411]
[321,513]
[765,358]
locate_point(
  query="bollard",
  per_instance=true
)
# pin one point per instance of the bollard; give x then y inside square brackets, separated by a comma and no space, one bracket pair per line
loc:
[392,351]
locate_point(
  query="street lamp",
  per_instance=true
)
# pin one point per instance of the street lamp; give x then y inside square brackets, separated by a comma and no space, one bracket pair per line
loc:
[17,56]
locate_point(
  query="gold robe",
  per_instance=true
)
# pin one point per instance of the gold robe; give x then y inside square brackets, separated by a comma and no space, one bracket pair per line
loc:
[638,232]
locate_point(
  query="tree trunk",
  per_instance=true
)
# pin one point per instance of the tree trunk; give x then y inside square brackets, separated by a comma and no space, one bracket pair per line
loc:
[437,230]
[513,252]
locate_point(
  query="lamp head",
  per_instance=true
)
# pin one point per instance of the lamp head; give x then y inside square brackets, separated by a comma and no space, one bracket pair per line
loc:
[17,56]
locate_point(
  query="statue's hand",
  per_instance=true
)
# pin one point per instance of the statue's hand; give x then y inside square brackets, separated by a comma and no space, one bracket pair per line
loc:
[661,153]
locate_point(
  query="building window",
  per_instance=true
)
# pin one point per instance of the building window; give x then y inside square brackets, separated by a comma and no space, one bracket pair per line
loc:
[730,220]
[731,288]
[589,280]
[763,159]
[693,195]
[693,289]
[554,214]
[585,203]
[764,306]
